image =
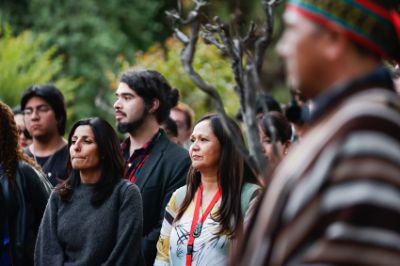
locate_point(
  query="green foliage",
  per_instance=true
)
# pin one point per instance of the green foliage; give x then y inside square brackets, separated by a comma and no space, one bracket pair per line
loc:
[93,33]
[242,12]
[23,63]
[94,37]
[15,13]
[209,63]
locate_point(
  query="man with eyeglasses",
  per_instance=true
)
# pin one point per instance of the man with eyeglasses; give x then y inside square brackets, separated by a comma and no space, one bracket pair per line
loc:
[45,118]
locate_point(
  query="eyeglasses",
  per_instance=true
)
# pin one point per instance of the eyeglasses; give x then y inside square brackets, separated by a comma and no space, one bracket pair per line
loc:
[24,132]
[41,109]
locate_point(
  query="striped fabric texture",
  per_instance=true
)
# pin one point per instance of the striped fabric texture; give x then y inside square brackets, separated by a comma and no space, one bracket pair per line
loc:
[335,199]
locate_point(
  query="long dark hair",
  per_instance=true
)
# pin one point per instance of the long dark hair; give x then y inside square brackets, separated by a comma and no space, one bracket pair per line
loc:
[10,152]
[233,171]
[275,126]
[111,162]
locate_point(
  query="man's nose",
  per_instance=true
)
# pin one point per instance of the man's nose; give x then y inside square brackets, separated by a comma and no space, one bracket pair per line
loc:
[117,104]
[35,114]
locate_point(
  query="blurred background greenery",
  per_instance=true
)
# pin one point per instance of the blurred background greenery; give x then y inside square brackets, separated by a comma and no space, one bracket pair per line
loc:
[82,47]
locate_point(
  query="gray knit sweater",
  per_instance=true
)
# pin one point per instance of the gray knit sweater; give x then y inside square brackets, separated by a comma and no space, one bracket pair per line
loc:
[77,233]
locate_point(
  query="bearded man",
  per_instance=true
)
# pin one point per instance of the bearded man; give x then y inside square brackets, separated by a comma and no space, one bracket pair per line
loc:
[155,164]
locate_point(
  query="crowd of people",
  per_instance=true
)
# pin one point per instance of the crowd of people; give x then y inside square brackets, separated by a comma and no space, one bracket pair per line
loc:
[177,191]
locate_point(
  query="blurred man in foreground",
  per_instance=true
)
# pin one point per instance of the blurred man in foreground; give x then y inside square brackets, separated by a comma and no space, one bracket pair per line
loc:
[334,199]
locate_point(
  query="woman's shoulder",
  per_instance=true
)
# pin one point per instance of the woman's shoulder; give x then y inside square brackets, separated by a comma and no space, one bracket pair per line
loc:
[177,198]
[32,175]
[127,194]
[125,187]
[24,166]
[55,201]
[181,190]
[179,194]
[250,187]
[250,191]
[28,170]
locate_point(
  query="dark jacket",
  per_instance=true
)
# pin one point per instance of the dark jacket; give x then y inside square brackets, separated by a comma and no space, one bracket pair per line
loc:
[163,172]
[23,207]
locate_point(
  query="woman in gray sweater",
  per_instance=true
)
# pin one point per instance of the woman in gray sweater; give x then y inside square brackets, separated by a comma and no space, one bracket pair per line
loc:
[94,217]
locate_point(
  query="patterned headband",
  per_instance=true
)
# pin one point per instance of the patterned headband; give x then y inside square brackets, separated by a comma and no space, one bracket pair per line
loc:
[367,23]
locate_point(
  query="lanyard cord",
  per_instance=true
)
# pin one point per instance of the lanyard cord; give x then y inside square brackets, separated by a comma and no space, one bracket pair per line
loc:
[132,176]
[196,227]
[148,148]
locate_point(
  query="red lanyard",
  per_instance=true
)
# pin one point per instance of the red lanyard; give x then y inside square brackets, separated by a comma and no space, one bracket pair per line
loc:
[147,150]
[197,225]
[132,176]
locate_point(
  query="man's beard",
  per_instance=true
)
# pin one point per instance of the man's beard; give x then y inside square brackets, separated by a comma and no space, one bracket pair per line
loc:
[131,127]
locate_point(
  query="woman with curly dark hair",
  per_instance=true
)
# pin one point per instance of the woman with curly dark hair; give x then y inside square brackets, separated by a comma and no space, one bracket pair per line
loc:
[24,192]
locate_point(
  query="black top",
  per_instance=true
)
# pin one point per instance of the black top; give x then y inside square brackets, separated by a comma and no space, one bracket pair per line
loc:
[54,166]
[22,208]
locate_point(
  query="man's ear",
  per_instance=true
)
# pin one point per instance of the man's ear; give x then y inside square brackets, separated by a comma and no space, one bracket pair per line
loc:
[154,105]
[336,43]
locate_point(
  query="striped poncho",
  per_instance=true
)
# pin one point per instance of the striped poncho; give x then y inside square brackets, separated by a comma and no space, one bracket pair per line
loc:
[335,199]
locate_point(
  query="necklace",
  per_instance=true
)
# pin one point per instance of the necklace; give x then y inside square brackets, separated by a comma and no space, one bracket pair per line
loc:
[197,225]
[44,166]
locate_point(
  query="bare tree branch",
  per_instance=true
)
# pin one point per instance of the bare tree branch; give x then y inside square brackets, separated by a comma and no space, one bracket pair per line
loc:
[251,35]
[208,36]
[250,122]
[187,55]
[246,77]
[265,41]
